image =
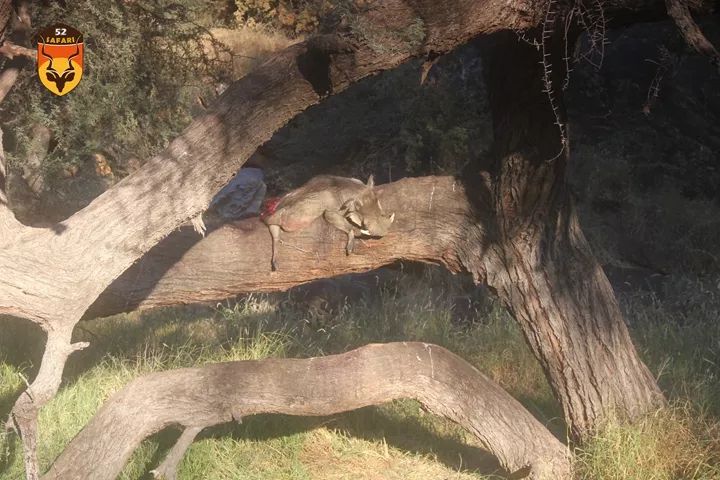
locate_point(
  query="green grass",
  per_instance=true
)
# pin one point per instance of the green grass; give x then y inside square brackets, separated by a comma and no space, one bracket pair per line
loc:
[396,440]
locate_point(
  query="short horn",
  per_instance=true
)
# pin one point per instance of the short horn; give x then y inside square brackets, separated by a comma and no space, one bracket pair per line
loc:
[392,217]
[371,181]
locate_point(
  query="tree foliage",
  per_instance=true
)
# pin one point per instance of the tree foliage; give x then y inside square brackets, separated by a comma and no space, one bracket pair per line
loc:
[145,65]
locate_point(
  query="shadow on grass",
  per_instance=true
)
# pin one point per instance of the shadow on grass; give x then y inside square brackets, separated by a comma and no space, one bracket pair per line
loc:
[370,424]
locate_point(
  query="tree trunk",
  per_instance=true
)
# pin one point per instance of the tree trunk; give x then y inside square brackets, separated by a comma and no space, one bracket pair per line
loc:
[195,398]
[538,259]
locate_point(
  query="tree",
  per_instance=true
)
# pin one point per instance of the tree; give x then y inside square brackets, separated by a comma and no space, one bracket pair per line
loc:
[518,231]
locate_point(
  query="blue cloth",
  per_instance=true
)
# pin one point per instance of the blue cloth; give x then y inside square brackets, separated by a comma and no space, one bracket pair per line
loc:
[242,197]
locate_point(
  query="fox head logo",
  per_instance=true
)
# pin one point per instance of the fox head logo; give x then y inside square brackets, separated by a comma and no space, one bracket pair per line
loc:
[60,58]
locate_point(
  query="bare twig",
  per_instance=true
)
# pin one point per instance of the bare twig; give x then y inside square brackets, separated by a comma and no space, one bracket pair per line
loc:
[548,31]
[593,21]
[663,65]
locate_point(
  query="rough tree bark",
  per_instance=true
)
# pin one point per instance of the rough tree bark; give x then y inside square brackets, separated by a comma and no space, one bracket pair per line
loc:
[537,259]
[195,398]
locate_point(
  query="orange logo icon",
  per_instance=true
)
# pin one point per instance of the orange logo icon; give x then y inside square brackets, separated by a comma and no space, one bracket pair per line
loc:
[60,58]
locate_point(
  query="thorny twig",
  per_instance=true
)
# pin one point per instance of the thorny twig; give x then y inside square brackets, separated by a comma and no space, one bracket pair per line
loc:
[663,66]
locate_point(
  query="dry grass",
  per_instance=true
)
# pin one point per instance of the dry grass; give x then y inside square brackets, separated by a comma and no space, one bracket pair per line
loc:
[333,455]
[673,443]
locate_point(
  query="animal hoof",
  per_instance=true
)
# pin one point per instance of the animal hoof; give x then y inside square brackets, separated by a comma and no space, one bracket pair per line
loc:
[273,266]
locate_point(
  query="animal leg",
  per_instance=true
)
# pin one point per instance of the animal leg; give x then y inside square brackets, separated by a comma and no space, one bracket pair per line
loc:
[338,220]
[275,233]
[350,242]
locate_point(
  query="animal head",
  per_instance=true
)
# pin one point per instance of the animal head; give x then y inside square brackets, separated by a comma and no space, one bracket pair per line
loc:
[60,78]
[366,213]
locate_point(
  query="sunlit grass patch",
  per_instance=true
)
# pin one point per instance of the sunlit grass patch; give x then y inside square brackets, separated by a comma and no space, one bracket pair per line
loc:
[672,443]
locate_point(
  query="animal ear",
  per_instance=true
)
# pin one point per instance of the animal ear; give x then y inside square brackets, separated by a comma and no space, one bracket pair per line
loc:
[354,218]
[392,217]
[371,181]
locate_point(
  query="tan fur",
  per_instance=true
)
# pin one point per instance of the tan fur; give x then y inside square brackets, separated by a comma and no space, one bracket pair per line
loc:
[345,203]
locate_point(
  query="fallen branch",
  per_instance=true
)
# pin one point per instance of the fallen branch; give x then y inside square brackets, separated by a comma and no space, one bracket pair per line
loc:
[195,398]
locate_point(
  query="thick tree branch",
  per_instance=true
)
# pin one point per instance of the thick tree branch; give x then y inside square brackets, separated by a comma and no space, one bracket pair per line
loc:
[198,397]
[539,261]
[679,11]
[24,418]
[431,213]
